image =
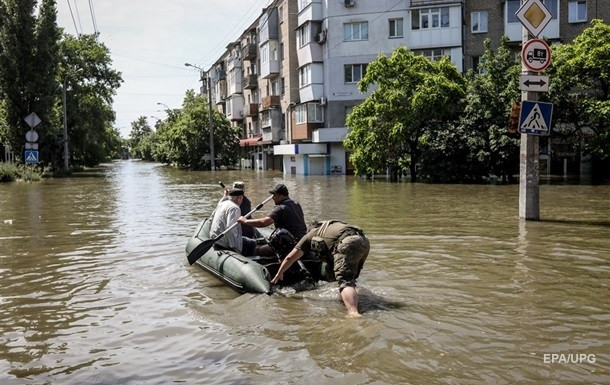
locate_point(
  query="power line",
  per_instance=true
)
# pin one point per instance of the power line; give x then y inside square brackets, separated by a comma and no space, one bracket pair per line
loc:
[73,20]
[93,16]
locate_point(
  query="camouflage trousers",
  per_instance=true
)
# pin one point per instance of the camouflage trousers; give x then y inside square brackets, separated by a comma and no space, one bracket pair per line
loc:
[348,260]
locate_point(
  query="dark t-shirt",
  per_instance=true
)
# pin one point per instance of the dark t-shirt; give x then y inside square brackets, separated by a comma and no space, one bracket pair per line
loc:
[289,215]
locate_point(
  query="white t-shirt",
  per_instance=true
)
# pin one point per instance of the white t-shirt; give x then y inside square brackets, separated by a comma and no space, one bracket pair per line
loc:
[225,215]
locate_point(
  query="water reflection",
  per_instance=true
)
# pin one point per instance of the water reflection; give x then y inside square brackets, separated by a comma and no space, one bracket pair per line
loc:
[96,288]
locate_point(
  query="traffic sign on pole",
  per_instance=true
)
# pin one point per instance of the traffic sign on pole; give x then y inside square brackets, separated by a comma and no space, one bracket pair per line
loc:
[536,55]
[32,120]
[534,16]
[535,83]
[535,117]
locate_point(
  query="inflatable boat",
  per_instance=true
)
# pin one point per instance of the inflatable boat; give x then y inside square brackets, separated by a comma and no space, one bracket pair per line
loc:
[253,274]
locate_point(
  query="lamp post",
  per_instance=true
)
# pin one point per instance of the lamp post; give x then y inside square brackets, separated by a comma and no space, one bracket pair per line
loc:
[209,83]
[63,99]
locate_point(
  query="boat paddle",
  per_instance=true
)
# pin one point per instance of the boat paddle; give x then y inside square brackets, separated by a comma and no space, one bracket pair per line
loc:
[206,245]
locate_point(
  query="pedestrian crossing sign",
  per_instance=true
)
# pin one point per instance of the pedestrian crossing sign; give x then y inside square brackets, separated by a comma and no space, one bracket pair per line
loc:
[31,157]
[535,118]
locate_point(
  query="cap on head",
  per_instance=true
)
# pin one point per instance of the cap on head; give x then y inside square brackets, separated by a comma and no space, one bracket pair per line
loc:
[279,189]
[239,185]
[236,192]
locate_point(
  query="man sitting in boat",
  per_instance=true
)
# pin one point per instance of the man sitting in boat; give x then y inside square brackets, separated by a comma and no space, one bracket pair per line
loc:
[287,214]
[245,207]
[227,212]
[343,246]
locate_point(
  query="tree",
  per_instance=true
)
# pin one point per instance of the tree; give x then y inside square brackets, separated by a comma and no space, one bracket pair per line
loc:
[140,130]
[488,147]
[580,91]
[413,96]
[91,83]
[28,66]
[185,139]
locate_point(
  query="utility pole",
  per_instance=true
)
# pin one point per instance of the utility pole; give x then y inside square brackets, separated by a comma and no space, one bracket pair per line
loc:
[211,128]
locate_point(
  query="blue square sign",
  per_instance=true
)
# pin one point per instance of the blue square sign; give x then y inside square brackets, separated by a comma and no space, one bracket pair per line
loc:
[535,117]
[31,156]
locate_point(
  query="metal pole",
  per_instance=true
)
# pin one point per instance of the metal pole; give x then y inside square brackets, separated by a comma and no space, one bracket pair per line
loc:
[66,156]
[212,161]
[529,173]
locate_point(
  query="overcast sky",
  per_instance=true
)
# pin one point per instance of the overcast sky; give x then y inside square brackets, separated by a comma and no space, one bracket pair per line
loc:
[150,40]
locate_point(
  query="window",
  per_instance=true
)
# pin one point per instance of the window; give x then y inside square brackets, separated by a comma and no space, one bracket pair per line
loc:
[280,14]
[304,75]
[354,72]
[356,31]
[314,113]
[283,85]
[265,54]
[434,54]
[266,118]
[476,65]
[427,18]
[512,6]
[303,35]
[308,113]
[396,27]
[552,6]
[275,87]
[577,11]
[478,22]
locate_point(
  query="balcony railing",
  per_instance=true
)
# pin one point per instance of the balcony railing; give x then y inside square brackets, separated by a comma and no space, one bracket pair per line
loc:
[251,109]
[250,81]
[249,51]
[271,101]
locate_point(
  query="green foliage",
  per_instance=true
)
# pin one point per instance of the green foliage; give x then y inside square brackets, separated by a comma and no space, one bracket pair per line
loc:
[10,172]
[481,142]
[413,96]
[28,64]
[185,139]
[91,83]
[580,91]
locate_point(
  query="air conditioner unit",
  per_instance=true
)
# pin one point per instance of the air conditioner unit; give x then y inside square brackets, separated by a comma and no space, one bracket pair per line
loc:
[321,37]
[323,101]
[350,3]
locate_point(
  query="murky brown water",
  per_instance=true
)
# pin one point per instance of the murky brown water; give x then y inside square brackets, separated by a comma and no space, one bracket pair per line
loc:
[95,287]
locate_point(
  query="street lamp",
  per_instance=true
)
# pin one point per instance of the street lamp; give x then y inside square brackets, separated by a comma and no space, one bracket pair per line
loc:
[164,105]
[209,83]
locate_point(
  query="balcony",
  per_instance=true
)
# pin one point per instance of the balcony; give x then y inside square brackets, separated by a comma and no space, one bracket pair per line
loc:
[220,92]
[271,101]
[249,51]
[251,110]
[235,108]
[311,12]
[250,82]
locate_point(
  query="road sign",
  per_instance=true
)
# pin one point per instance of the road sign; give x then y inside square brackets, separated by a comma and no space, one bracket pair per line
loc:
[31,146]
[31,136]
[31,156]
[32,120]
[536,55]
[535,117]
[534,16]
[534,83]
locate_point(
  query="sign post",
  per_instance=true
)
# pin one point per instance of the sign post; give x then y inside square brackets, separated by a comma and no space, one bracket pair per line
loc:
[536,56]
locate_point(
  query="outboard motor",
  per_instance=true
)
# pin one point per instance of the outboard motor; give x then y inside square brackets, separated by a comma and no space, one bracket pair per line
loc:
[282,242]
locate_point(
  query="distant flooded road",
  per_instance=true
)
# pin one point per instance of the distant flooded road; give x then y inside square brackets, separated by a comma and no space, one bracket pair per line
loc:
[95,287]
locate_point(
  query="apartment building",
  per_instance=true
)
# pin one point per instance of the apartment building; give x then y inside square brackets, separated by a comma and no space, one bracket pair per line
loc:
[290,80]
[491,19]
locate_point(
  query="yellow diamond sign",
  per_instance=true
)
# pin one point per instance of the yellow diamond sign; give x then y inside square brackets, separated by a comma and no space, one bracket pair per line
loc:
[534,16]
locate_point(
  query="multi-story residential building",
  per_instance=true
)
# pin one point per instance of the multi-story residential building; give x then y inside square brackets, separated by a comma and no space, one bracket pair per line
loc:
[491,19]
[307,57]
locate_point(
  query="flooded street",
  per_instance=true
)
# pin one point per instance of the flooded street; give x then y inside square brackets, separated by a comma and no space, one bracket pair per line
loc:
[96,289]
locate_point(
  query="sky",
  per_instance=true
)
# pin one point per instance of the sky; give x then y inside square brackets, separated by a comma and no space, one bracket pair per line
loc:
[150,40]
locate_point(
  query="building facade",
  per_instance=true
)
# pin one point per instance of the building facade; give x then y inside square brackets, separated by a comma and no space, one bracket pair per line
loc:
[290,80]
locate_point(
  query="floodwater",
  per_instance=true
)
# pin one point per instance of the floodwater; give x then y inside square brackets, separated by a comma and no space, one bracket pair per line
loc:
[95,287]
